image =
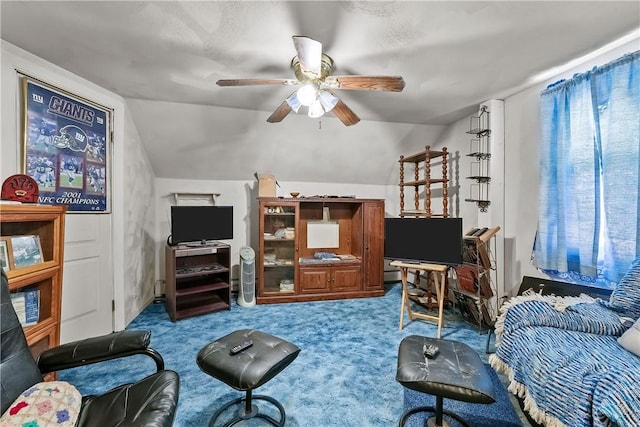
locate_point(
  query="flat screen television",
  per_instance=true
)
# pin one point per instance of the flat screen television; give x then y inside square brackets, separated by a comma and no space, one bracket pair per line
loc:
[429,240]
[201,224]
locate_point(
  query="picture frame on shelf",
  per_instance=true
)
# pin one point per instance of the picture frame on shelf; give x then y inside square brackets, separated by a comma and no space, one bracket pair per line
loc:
[66,144]
[26,251]
[6,259]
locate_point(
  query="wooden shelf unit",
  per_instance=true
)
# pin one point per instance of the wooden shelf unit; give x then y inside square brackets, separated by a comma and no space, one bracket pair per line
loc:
[287,270]
[46,222]
[197,279]
[424,160]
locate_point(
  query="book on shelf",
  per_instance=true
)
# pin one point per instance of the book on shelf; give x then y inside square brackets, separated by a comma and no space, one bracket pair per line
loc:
[475,232]
[469,252]
[27,306]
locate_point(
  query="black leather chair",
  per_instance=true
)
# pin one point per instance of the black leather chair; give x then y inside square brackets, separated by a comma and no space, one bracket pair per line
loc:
[151,401]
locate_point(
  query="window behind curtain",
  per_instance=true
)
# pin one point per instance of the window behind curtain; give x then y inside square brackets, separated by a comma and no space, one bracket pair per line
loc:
[589,174]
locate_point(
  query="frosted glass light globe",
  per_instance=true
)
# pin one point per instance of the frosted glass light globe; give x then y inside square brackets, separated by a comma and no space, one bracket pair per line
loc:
[307,95]
[316,110]
[294,102]
[327,100]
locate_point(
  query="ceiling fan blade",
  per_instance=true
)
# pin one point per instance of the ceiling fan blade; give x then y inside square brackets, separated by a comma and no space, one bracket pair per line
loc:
[384,83]
[345,114]
[280,113]
[254,82]
[309,54]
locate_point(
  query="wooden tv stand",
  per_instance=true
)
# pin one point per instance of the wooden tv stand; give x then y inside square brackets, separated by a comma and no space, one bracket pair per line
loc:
[287,270]
[197,279]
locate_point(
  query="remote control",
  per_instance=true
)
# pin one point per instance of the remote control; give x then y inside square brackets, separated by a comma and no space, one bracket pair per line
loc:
[240,347]
[430,351]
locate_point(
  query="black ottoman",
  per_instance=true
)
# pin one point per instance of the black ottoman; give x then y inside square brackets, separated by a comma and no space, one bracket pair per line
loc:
[456,372]
[247,370]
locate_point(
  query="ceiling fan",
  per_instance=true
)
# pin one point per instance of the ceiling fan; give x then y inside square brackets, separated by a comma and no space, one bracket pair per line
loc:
[312,69]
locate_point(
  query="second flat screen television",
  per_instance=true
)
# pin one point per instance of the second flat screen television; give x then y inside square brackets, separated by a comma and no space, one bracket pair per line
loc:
[201,224]
[428,240]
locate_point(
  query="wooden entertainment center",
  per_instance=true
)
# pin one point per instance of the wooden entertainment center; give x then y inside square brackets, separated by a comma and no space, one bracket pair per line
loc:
[295,232]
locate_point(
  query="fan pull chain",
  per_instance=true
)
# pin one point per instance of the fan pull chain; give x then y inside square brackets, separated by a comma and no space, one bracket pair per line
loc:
[319,124]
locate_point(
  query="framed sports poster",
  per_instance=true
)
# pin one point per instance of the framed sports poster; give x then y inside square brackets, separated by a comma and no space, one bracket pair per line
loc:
[66,147]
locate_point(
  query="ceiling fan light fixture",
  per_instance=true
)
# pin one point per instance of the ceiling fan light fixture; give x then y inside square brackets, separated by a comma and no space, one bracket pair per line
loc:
[326,65]
[312,69]
[307,94]
[294,102]
[316,110]
[327,100]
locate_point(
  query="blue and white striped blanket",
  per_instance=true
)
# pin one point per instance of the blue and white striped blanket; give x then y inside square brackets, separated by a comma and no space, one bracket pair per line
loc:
[567,365]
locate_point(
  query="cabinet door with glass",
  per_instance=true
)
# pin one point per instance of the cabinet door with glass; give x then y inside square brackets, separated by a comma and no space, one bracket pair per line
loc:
[278,251]
[32,254]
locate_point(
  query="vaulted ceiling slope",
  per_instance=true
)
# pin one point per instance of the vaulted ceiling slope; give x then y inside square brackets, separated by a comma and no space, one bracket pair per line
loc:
[165,57]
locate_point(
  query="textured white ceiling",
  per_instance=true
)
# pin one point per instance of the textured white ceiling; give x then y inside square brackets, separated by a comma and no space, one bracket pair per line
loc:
[165,57]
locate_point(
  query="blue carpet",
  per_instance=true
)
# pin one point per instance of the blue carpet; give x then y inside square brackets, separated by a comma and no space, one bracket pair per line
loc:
[500,413]
[344,375]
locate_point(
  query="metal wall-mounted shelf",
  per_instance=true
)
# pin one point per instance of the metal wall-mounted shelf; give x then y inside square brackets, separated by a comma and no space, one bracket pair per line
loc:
[482,204]
[480,156]
[480,132]
[206,197]
[480,150]
[480,179]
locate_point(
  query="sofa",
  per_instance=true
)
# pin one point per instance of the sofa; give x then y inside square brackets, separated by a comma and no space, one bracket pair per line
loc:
[574,361]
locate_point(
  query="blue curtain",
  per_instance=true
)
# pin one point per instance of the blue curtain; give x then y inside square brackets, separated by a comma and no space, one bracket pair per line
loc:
[616,102]
[589,173]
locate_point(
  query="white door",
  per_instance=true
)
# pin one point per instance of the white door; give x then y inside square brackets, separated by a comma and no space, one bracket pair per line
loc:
[87,282]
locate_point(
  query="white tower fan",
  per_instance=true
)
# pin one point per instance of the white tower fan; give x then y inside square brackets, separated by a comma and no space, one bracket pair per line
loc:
[247,291]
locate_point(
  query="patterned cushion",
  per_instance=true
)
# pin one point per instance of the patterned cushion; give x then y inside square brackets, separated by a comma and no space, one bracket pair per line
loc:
[630,340]
[46,404]
[625,297]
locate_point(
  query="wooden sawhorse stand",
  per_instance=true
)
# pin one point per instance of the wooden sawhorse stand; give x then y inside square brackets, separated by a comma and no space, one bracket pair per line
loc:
[439,281]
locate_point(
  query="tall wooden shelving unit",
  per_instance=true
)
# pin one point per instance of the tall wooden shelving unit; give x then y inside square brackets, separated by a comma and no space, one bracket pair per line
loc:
[425,175]
[425,161]
[46,222]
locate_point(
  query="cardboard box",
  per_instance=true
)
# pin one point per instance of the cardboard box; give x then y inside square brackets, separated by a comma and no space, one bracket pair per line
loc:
[266,186]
